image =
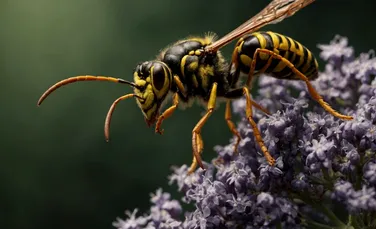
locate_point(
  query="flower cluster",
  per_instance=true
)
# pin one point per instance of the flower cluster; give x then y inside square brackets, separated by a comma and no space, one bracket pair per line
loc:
[325,172]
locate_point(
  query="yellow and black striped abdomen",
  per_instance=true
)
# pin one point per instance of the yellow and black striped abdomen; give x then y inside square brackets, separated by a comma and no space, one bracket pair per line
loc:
[293,51]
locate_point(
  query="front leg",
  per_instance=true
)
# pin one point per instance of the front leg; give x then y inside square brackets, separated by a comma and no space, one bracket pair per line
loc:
[167,113]
[197,143]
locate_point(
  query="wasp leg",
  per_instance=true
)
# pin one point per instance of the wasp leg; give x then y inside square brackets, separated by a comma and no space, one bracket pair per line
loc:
[237,93]
[180,86]
[256,131]
[197,143]
[315,95]
[252,70]
[234,94]
[231,125]
[166,114]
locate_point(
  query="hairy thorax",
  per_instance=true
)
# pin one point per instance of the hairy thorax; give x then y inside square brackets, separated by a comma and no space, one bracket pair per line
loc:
[196,70]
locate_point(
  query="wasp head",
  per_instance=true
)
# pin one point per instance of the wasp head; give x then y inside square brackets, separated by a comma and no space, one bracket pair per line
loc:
[153,80]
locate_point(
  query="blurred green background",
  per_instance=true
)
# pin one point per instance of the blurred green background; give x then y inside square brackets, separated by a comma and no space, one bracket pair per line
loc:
[56,170]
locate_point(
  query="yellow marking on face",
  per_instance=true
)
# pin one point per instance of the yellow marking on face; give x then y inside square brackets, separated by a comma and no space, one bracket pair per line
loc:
[148,79]
[191,52]
[182,64]
[140,83]
[135,76]
[246,60]
[151,111]
[197,52]
[148,95]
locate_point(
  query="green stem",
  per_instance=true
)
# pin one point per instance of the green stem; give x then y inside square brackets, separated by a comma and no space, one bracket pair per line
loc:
[359,171]
[322,208]
[328,176]
[367,219]
[372,222]
[332,216]
[318,225]
[354,221]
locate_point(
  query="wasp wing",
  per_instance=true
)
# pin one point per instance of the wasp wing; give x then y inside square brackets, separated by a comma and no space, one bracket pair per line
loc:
[273,13]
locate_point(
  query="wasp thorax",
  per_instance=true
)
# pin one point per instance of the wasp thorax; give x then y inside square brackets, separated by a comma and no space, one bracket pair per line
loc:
[153,79]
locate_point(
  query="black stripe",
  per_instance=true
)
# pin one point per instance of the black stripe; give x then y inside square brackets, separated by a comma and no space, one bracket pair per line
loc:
[269,41]
[288,43]
[310,70]
[272,65]
[297,58]
[279,37]
[305,54]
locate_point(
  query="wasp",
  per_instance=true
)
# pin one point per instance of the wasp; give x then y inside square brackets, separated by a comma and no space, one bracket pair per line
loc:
[194,68]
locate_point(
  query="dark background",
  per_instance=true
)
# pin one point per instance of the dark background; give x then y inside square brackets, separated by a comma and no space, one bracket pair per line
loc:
[56,170]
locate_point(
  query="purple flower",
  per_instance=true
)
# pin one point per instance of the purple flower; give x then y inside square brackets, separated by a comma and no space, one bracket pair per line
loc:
[325,172]
[163,214]
[337,51]
[132,222]
[356,201]
[369,173]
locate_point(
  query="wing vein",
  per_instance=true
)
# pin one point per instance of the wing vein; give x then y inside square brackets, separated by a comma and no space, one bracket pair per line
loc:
[273,13]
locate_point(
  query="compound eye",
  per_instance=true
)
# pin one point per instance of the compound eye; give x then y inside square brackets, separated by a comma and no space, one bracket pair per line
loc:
[158,76]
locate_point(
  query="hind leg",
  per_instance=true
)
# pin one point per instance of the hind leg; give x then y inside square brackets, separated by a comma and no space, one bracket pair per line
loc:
[312,91]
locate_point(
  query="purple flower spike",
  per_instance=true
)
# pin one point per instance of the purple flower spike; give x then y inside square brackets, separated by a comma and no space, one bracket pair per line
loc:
[325,171]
